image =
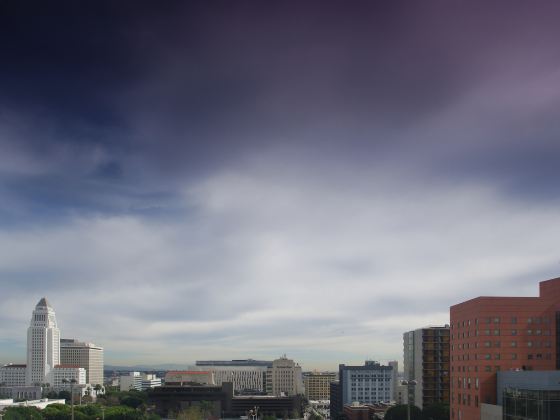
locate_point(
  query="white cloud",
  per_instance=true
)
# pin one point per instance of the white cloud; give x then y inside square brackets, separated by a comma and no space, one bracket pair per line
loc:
[330,268]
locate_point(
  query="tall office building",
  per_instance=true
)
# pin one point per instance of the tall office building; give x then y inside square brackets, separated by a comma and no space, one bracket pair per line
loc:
[492,334]
[426,361]
[43,344]
[318,385]
[247,376]
[284,378]
[84,355]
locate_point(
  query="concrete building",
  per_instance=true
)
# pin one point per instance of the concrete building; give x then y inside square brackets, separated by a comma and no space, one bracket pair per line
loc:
[284,378]
[62,375]
[13,375]
[395,365]
[21,392]
[401,394]
[85,355]
[426,361]
[246,375]
[132,380]
[183,377]
[317,384]
[150,380]
[368,384]
[43,344]
[495,334]
[336,406]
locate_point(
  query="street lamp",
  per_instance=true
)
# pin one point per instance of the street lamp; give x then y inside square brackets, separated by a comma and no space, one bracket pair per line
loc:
[409,385]
[71,382]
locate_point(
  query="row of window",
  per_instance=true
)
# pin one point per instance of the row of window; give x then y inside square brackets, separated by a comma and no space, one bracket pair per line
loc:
[498,332]
[497,320]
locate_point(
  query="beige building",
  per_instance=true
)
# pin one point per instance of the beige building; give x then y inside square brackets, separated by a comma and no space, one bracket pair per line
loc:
[284,378]
[84,355]
[318,385]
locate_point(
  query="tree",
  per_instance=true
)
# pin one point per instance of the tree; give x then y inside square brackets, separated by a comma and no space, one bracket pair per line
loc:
[399,412]
[206,407]
[22,413]
[436,412]
[192,413]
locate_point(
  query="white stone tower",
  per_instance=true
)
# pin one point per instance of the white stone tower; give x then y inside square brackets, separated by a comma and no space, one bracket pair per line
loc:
[43,344]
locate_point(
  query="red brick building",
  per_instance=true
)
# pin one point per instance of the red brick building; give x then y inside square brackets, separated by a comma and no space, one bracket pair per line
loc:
[489,334]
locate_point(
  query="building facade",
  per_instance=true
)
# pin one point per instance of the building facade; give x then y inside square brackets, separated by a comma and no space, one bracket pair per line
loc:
[284,378]
[43,344]
[368,384]
[133,380]
[426,361]
[317,385]
[85,355]
[246,375]
[13,375]
[493,334]
[63,375]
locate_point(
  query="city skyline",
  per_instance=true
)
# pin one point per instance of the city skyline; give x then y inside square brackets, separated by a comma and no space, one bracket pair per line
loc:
[188,181]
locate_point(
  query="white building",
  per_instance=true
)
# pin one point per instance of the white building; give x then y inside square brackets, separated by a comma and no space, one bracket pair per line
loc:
[368,384]
[13,375]
[246,375]
[40,404]
[85,355]
[63,375]
[150,380]
[43,344]
[133,380]
[284,378]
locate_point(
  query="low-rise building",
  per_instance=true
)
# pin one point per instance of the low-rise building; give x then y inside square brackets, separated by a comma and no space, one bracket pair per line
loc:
[132,380]
[150,380]
[21,392]
[64,375]
[247,375]
[13,375]
[184,377]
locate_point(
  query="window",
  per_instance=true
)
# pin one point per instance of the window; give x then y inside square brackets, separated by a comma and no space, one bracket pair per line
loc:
[487,368]
[529,344]
[514,344]
[514,320]
[497,320]
[513,332]
[496,332]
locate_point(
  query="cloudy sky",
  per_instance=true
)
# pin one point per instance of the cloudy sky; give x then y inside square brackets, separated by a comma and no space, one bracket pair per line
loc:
[233,179]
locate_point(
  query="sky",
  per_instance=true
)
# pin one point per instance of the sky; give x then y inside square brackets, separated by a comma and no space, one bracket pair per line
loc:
[228,180]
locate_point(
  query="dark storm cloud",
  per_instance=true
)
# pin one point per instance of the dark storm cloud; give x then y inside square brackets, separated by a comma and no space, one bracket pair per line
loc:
[188,87]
